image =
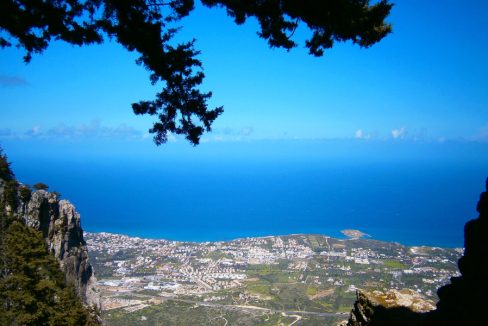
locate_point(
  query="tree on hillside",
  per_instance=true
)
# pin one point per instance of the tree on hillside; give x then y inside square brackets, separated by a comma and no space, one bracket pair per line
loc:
[5,171]
[33,289]
[148,26]
[8,185]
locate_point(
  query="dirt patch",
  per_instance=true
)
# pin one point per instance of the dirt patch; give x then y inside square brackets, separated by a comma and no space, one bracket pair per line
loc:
[321,294]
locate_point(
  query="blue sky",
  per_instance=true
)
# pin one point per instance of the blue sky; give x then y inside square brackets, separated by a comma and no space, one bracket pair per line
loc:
[426,82]
[417,101]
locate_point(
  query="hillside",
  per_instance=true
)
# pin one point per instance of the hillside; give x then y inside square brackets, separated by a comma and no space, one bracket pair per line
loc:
[301,279]
[45,274]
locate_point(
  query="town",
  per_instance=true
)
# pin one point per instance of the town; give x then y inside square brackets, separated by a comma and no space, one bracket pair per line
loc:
[314,277]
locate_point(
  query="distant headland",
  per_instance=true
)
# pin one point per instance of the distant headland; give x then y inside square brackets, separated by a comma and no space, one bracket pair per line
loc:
[355,234]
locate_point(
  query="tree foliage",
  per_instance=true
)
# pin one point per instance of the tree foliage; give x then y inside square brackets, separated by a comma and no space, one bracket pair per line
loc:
[148,27]
[329,21]
[33,290]
[5,171]
[7,182]
[25,193]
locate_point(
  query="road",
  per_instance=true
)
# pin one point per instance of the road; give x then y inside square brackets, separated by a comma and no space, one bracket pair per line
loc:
[268,310]
[248,307]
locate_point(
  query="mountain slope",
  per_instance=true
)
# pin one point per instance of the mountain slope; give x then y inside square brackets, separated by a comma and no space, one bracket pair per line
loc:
[45,274]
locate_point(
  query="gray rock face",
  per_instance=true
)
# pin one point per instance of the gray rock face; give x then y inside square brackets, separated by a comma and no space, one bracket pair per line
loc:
[59,223]
[363,311]
[368,310]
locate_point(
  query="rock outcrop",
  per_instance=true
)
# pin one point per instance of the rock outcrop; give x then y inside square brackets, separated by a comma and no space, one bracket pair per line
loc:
[390,308]
[400,298]
[463,301]
[59,223]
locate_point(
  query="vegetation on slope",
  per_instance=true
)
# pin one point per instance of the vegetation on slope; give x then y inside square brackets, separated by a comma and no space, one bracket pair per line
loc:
[33,289]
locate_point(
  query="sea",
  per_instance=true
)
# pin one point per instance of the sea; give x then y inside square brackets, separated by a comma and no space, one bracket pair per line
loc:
[420,202]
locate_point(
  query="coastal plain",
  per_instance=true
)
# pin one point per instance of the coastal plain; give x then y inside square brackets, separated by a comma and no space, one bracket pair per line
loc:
[292,280]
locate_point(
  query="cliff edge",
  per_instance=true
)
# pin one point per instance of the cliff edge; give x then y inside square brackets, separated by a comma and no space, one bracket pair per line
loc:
[461,303]
[59,223]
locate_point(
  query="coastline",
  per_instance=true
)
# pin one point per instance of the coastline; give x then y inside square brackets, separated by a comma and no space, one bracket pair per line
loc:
[403,237]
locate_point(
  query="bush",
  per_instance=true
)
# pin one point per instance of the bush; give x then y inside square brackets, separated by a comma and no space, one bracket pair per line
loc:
[25,193]
[10,193]
[57,194]
[5,172]
[40,186]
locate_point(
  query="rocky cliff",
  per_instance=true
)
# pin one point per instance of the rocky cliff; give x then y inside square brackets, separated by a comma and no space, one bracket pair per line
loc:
[461,303]
[400,308]
[60,225]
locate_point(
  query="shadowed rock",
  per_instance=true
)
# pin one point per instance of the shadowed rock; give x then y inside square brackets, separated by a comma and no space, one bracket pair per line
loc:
[461,303]
[368,312]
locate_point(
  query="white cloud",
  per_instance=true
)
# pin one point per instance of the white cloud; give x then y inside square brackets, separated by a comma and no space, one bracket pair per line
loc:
[247,131]
[360,134]
[35,131]
[228,134]
[399,133]
[93,130]
[234,132]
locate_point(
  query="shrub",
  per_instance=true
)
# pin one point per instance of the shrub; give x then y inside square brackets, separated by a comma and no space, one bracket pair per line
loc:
[5,172]
[40,186]
[25,193]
